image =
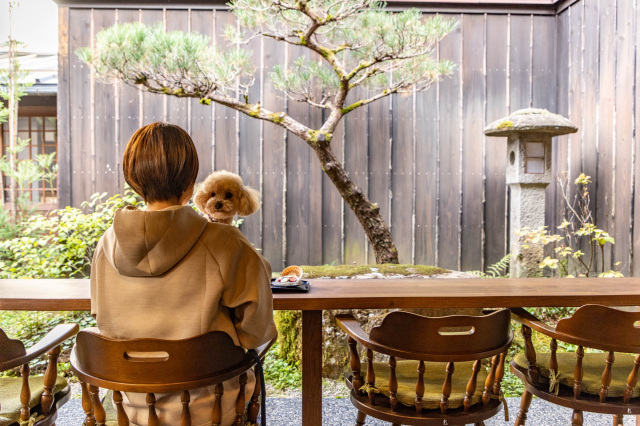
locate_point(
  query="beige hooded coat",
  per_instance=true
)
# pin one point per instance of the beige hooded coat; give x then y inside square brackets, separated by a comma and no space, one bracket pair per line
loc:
[170,274]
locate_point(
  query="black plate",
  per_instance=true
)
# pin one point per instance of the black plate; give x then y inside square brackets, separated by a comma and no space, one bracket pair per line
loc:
[303,287]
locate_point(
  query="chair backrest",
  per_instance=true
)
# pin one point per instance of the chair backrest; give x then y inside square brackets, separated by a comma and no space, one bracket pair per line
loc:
[146,365]
[430,338]
[10,352]
[603,328]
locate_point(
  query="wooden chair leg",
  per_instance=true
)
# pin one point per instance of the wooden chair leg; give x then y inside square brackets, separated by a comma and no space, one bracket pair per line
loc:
[361,418]
[577,419]
[617,420]
[525,402]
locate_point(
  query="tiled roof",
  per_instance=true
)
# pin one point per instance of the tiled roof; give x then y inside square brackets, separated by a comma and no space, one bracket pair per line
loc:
[42,68]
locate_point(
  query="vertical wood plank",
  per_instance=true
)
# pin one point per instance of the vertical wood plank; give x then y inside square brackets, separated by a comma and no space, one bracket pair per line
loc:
[80,100]
[202,22]
[402,186]
[379,165]
[177,20]
[606,124]
[625,58]
[250,146]
[64,111]
[544,63]
[315,227]
[472,156]
[355,159]
[128,98]
[104,128]
[332,208]
[274,162]
[152,103]
[226,132]
[450,182]
[426,166]
[636,187]
[496,161]
[298,179]
[520,62]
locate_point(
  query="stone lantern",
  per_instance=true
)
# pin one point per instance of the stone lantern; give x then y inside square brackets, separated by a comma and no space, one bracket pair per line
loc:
[529,152]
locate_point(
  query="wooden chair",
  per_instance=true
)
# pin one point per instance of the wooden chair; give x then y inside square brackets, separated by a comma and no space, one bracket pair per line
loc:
[596,382]
[412,392]
[29,397]
[152,366]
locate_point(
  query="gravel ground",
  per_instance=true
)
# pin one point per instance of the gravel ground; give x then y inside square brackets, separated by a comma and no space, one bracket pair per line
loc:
[340,412]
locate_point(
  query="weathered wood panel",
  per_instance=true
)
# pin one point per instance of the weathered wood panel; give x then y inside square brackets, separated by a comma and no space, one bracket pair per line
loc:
[473,88]
[635,234]
[497,100]
[450,138]
[64,112]
[153,104]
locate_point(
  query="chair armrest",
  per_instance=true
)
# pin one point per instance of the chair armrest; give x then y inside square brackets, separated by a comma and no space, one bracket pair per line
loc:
[352,327]
[523,316]
[54,338]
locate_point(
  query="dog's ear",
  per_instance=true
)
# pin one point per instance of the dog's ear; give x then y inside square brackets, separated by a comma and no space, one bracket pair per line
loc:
[198,199]
[250,201]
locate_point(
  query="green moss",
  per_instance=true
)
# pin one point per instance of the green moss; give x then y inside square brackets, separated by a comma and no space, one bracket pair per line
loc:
[277,117]
[315,136]
[351,107]
[205,101]
[352,270]
[505,124]
[289,325]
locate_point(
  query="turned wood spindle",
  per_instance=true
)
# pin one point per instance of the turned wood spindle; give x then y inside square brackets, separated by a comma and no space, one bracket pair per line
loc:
[216,416]
[371,376]
[123,419]
[499,374]
[354,361]
[87,406]
[553,360]
[153,416]
[185,418]
[606,377]
[254,403]
[393,384]
[530,353]
[577,418]
[472,385]
[578,373]
[524,408]
[50,376]
[446,388]
[98,409]
[241,400]
[491,377]
[25,393]
[420,387]
[632,380]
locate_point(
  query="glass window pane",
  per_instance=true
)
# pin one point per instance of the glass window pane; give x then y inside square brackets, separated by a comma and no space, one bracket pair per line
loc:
[35,196]
[48,149]
[36,123]
[50,123]
[535,165]
[24,154]
[534,149]
[36,138]
[23,135]
[50,137]
[35,150]
[23,123]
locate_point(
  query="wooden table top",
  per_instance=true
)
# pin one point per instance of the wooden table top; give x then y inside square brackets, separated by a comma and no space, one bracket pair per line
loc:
[70,295]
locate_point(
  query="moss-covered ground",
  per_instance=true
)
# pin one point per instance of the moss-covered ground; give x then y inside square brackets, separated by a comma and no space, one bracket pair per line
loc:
[335,271]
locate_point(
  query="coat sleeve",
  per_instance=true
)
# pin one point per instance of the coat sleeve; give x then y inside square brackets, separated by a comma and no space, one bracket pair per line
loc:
[94,277]
[247,277]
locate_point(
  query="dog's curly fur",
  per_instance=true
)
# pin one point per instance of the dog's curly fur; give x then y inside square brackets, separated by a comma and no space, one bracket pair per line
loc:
[221,196]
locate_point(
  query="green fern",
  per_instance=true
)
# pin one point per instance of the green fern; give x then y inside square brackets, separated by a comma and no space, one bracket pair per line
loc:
[499,269]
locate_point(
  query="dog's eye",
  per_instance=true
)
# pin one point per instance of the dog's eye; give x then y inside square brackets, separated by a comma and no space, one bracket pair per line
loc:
[213,194]
[228,195]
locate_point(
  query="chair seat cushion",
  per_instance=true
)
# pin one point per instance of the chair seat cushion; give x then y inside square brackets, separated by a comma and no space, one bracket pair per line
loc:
[10,396]
[434,376]
[593,365]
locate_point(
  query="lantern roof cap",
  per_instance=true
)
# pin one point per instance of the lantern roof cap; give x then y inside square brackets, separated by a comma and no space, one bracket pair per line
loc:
[529,121]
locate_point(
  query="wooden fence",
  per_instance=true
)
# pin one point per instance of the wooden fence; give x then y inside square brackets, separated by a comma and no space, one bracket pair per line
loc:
[423,158]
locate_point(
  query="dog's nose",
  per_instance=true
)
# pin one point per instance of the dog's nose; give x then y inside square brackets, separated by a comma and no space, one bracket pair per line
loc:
[218,205]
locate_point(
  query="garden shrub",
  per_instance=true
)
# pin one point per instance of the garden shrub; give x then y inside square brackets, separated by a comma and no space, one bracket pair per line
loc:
[60,244]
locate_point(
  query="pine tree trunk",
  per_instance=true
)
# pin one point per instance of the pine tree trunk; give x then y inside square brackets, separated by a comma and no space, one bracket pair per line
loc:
[367,213]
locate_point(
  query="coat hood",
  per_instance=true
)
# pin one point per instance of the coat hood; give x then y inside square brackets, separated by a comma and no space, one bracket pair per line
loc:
[148,243]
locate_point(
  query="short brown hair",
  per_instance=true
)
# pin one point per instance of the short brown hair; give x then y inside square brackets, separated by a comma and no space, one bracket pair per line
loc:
[160,162]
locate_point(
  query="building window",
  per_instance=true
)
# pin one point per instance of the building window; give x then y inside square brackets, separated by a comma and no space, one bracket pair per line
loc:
[41,128]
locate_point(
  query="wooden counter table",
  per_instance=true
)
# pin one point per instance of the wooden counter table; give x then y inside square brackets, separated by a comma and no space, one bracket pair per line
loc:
[67,295]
